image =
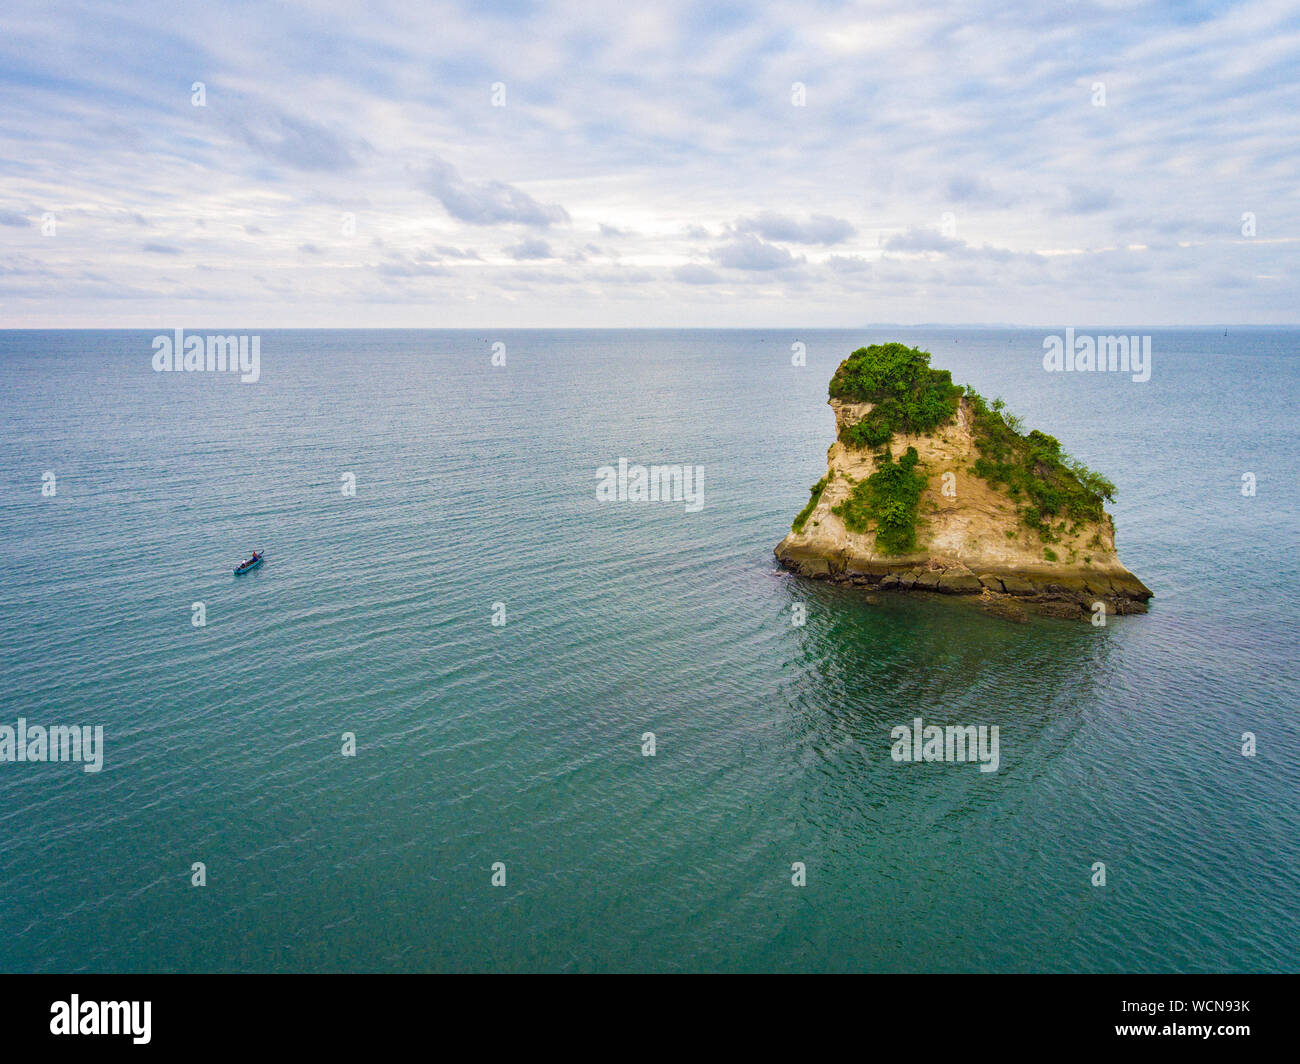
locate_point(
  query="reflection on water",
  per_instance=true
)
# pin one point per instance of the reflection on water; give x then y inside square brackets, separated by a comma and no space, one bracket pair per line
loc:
[919,841]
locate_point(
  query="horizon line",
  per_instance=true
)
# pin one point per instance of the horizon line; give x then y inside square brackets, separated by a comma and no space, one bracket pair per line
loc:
[647,328]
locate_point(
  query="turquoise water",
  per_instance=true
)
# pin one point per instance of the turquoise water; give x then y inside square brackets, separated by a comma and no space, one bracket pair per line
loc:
[521,743]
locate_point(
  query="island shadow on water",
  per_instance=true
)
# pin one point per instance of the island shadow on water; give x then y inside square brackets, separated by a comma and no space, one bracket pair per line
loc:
[898,837]
[872,659]
[862,669]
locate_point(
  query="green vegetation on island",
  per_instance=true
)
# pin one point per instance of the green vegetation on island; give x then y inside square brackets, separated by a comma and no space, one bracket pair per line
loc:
[1050,488]
[816,497]
[889,497]
[1048,484]
[907,395]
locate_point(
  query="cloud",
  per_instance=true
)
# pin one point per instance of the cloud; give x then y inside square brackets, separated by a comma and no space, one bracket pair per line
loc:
[529,248]
[693,273]
[296,142]
[920,238]
[749,253]
[1082,200]
[671,139]
[848,263]
[398,267]
[488,202]
[816,229]
[964,188]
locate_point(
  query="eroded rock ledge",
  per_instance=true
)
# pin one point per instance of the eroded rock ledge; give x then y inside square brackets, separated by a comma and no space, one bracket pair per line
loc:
[1055,591]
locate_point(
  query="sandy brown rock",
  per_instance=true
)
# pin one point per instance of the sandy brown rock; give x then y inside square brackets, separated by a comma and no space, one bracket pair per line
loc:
[1004,606]
[970,543]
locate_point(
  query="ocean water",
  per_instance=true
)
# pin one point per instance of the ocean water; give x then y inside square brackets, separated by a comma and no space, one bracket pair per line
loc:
[522,743]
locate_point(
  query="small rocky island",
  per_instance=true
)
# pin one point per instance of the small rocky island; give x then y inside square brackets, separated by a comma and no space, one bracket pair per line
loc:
[929,487]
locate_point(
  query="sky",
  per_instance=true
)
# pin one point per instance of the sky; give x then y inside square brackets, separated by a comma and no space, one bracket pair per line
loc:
[566,164]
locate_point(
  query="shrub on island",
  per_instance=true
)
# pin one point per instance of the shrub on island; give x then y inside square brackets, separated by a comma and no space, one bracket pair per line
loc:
[1034,470]
[888,498]
[907,395]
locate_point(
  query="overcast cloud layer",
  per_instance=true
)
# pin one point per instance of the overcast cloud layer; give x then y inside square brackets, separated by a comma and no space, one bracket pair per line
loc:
[802,164]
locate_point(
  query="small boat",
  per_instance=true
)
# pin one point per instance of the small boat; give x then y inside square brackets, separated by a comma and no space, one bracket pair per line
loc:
[252,563]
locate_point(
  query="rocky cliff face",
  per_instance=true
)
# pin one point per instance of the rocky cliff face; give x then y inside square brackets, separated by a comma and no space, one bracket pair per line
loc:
[970,537]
